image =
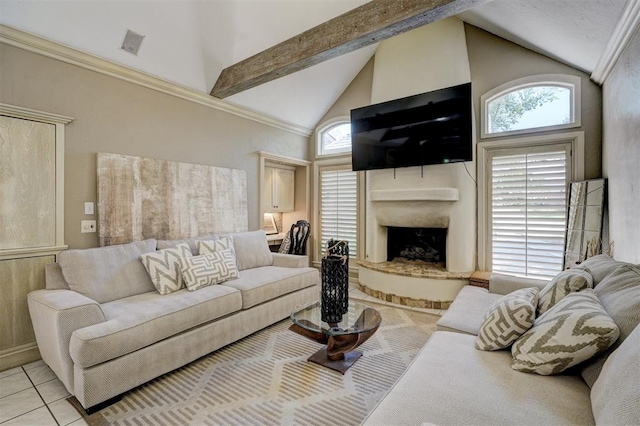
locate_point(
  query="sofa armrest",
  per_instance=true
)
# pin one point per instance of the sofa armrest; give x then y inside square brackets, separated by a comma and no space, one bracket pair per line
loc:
[55,315]
[505,284]
[290,260]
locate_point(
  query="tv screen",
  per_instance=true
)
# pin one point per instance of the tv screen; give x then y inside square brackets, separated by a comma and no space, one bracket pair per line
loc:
[430,128]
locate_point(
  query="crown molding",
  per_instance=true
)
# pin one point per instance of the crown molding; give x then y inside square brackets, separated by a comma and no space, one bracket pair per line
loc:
[60,52]
[622,33]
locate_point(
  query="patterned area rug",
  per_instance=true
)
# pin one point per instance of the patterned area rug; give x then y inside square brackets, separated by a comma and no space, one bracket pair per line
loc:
[265,379]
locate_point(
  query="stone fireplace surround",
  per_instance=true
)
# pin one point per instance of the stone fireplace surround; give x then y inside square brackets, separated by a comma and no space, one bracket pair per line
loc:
[414,283]
[436,196]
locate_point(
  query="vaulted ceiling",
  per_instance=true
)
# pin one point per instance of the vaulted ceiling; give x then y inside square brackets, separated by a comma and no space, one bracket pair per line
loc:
[190,42]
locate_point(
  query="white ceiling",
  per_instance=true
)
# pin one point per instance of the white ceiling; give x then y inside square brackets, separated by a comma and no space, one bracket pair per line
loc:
[572,31]
[189,42]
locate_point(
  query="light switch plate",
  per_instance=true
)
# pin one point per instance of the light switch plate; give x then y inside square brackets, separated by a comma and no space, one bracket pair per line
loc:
[88,208]
[87,226]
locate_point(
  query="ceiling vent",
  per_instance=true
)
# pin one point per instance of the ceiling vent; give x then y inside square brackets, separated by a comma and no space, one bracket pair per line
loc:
[132,42]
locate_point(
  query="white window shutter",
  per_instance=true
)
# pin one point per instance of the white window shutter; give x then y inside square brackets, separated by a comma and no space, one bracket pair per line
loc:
[528,212]
[339,207]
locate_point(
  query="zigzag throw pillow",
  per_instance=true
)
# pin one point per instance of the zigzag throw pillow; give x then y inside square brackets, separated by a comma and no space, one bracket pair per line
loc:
[207,269]
[574,330]
[163,267]
[211,246]
[507,319]
[569,281]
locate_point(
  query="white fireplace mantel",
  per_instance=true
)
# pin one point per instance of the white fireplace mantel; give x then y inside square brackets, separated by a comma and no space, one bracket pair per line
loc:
[414,194]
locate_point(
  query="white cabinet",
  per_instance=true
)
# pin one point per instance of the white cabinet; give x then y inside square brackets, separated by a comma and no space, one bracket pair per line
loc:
[278,189]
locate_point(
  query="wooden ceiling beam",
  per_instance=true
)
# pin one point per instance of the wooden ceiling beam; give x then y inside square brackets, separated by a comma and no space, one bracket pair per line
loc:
[367,24]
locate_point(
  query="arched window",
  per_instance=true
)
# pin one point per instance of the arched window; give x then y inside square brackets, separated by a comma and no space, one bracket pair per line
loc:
[334,137]
[531,104]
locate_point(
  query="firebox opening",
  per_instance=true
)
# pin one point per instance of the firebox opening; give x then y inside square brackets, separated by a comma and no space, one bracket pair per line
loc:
[417,245]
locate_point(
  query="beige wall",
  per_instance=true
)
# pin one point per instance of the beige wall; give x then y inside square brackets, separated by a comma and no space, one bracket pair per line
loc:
[115,116]
[621,152]
[356,95]
[495,61]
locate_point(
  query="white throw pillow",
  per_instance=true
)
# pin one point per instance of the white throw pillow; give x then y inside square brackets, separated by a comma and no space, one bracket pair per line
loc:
[574,330]
[507,319]
[208,269]
[566,282]
[163,267]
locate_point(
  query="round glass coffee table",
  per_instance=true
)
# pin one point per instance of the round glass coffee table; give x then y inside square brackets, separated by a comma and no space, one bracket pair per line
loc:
[357,324]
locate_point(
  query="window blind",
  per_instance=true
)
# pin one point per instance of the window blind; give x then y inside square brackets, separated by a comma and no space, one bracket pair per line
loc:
[339,208]
[528,212]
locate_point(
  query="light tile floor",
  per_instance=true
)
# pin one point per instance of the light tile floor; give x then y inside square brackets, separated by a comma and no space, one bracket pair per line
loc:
[31,395]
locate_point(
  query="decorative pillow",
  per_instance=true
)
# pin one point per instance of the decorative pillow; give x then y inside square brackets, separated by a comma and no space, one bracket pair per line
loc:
[252,249]
[164,267]
[207,269]
[569,281]
[165,244]
[286,244]
[507,319]
[574,330]
[210,246]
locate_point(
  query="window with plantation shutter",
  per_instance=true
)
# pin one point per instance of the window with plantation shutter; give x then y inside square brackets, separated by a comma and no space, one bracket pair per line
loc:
[339,206]
[527,202]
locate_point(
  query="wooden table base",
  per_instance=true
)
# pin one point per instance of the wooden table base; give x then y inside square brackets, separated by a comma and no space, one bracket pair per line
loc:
[341,365]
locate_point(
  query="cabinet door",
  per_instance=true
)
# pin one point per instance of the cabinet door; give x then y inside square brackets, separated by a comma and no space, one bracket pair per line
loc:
[285,181]
[268,198]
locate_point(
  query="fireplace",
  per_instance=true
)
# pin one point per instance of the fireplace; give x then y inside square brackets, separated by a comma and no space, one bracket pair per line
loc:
[419,245]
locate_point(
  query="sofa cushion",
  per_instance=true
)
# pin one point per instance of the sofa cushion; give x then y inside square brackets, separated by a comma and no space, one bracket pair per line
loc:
[208,269]
[138,321]
[107,273]
[54,280]
[165,244]
[468,310]
[565,282]
[163,267]
[615,396]
[508,318]
[450,383]
[599,267]
[259,285]
[252,249]
[619,293]
[574,330]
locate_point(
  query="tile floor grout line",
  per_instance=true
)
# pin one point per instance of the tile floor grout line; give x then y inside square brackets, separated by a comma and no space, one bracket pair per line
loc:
[41,398]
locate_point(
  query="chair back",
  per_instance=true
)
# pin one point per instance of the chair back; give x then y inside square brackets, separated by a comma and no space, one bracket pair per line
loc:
[299,235]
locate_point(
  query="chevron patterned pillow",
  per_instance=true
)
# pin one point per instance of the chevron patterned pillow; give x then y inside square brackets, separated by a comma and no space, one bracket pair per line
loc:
[163,267]
[207,269]
[211,246]
[569,281]
[507,319]
[572,331]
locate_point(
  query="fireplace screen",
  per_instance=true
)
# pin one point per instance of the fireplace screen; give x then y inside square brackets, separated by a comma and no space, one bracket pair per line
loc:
[417,244]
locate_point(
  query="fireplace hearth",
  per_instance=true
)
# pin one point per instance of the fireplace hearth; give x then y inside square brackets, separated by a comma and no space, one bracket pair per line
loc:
[417,245]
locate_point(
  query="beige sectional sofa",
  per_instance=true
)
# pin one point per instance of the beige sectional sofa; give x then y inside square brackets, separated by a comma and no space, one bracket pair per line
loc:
[451,382]
[102,327]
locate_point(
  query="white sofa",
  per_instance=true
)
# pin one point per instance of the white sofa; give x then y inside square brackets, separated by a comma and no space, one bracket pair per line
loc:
[103,328]
[451,382]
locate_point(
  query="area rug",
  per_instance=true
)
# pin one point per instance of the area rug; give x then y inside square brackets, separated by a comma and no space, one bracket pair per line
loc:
[265,379]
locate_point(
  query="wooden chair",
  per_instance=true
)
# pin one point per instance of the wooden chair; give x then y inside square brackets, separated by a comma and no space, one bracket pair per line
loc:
[299,234]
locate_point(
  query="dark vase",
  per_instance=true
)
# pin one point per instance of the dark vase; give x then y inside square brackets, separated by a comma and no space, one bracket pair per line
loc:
[335,282]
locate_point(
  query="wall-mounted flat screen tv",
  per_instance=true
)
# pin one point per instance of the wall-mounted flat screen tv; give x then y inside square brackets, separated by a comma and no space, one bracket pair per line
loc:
[430,128]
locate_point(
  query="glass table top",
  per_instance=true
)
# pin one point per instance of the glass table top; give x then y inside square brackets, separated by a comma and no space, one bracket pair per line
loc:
[359,318]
